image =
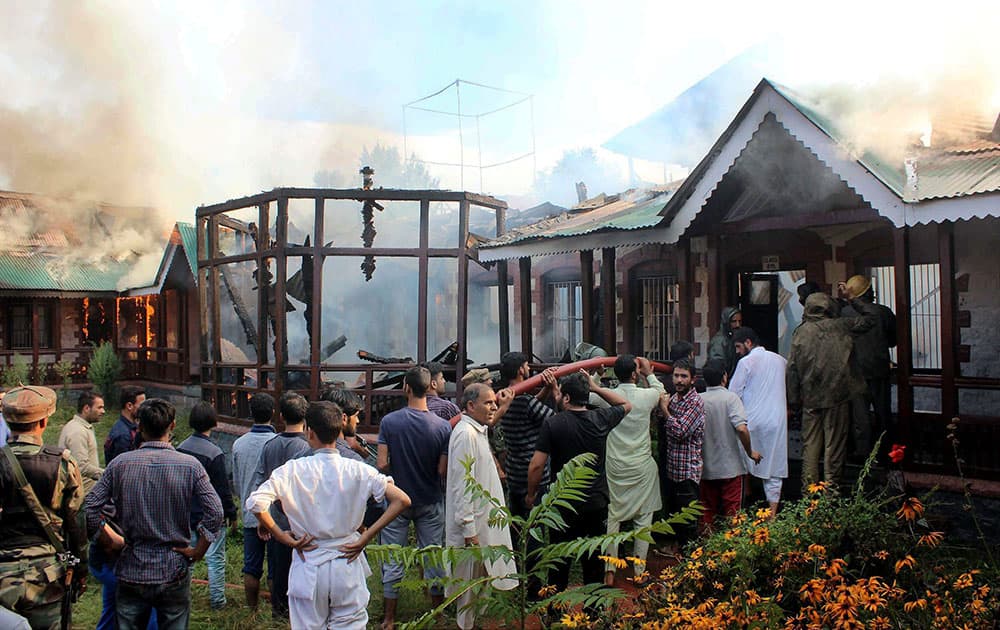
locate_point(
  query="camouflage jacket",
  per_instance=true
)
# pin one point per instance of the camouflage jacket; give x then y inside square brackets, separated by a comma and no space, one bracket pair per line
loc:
[822,372]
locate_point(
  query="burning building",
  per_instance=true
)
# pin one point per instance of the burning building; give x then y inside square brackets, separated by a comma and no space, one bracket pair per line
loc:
[307,287]
[72,276]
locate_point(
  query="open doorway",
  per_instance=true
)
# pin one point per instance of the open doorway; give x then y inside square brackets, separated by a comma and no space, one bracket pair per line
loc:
[769,301]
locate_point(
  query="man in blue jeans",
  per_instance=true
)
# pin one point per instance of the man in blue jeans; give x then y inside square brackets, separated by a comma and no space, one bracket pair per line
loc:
[200,446]
[413,449]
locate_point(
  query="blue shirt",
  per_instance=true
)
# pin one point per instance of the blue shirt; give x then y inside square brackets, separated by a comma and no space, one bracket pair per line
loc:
[4,430]
[280,449]
[121,439]
[246,455]
[416,441]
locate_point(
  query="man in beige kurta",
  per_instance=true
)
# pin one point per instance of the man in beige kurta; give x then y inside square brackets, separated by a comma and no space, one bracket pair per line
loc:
[633,480]
[78,436]
[466,518]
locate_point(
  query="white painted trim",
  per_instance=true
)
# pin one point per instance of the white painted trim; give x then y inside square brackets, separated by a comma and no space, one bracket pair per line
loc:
[567,244]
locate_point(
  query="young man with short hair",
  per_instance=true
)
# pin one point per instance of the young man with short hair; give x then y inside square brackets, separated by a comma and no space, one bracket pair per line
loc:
[684,427]
[435,403]
[413,449]
[324,496]
[200,446]
[573,431]
[153,488]
[77,435]
[246,455]
[124,435]
[290,444]
[726,432]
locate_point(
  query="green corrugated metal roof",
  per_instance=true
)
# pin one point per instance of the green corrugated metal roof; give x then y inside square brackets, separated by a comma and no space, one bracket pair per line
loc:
[618,215]
[189,239]
[47,273]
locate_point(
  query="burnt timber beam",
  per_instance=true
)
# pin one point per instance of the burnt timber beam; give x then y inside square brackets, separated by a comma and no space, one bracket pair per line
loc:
[358,194]
[463,291]
[503,302]
[608,299]
[422,265]
[587,302]
[524,285]
[904,342]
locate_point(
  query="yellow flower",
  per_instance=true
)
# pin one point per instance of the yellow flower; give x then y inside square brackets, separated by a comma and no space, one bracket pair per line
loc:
[739,519]
[617,563]
[911,510]
[931,539]
[547,591]
[907,562]
[639,562]
[911,606]
[964,581]
[761,536]
[813,488]
[882,555]
[836,567]
[575,620]
[817,550]
[751,597]
[879,623]
[728,556]
[697,553]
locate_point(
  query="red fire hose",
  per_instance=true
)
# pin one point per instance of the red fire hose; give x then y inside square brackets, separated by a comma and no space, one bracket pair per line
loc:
[535,381]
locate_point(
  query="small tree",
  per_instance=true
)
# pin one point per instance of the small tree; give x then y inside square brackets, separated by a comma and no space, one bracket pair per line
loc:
[64,370]
[17,373]
[104,369]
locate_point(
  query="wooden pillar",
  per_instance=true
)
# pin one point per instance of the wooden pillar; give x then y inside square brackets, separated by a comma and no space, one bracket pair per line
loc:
[714,288]
[949,356]
[524,280]
[587,290]
[280,276]
[503,301]
[316,323]
[608,300]
[463,290]
[685,306]
[422,266]
[904,340]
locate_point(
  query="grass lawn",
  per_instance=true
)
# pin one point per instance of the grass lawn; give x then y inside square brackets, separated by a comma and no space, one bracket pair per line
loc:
[236,614]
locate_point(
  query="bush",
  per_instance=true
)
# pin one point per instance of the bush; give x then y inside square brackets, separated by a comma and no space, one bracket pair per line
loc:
[104,369]
[18,372]
[64,370]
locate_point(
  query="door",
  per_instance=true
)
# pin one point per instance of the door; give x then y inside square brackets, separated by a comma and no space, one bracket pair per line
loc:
[759,302]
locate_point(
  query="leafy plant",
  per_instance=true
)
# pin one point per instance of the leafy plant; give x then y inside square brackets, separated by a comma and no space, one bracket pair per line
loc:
[104,369]
[18,372]
[64,370]
[515,606]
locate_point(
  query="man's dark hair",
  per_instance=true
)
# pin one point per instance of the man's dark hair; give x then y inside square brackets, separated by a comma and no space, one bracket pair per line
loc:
[433,367]
[577,387]
[806,289]
[740,335]
[624,366]
[681,350]
[155,416]
[471,394]
[130,393]
[326,419]
[684,364]
[419,380]
[203,417]
[86,399]
[293,407]
[510,363]
[261,408]
[713,372]
[347,400]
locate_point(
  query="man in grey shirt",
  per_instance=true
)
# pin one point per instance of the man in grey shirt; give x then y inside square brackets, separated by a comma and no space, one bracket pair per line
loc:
[726,432]
[246,455]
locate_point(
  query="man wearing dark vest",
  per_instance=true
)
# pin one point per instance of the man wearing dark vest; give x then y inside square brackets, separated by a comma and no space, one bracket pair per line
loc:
[31,575]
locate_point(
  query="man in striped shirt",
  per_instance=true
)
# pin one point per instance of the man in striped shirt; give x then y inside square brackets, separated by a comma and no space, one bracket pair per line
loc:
[153,488]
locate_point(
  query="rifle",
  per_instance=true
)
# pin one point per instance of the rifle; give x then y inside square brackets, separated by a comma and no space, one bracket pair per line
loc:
[71,591]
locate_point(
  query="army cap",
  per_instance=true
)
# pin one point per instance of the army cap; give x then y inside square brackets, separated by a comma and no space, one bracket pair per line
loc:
[858,286]
[477,375]
[28,403]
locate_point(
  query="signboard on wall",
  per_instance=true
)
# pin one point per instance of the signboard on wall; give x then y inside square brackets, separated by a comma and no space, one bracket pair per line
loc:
[769,263]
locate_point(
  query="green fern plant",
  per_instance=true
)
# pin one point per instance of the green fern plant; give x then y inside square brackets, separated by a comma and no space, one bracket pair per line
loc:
[104,369]
[569,488]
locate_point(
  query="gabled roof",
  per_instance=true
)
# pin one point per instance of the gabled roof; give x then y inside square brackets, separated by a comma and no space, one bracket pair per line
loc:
[615,223]
[882,184]
[189,239]
[45,272]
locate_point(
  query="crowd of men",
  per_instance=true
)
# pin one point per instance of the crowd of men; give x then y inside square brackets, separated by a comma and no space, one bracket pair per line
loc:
[314,495]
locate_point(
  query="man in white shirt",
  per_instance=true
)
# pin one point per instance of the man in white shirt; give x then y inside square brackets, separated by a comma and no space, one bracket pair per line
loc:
[324,497]
[78,436]
[633,479]
[759,381]
[466,518]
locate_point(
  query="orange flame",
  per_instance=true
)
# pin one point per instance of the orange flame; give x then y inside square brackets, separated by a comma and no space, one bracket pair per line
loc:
[150,311]
[86,320]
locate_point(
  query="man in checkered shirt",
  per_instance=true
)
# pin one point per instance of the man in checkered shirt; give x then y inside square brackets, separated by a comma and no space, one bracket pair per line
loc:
[684,429]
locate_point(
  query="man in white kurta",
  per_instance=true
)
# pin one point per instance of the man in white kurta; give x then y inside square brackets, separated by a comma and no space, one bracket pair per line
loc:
[759,381]
[324,496]
[633,479]
[466,518]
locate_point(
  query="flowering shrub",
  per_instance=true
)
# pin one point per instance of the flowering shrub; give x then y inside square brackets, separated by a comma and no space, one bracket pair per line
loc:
[828,561]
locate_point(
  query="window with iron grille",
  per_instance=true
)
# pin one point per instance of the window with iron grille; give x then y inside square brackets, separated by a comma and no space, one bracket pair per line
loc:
[925,310]
[565,316]
[659,319]
[20,333]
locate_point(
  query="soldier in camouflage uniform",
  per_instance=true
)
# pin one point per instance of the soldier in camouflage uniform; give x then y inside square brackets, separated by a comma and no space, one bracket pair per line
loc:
[31,576]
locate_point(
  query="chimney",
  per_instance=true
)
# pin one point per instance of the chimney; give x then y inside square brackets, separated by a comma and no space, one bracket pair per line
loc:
[581,192]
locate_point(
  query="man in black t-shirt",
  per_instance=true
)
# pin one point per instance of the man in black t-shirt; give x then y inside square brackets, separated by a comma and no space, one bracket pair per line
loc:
[573,431]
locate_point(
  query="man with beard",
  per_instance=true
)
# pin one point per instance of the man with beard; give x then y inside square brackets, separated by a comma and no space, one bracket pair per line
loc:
[684,426]
[573,431]
[721,346]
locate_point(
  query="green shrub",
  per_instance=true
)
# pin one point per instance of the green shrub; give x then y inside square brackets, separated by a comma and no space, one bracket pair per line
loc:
[18,372]
[64,370]
[104,369]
